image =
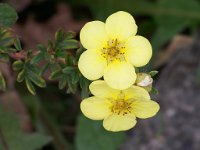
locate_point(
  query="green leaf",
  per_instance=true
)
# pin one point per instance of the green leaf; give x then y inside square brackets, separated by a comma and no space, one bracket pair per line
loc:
[7,41]
[62,82]
[5,57]
[17,44]
[70,60]
[37,58]
[34,141]
[42,48]
[69,44]
[2,82]
[84,84]
[44,69]
[71,87]
[30,86]
[64,40]
[21,75]
[69,69]
[70,35]
[15,138]
[8,15]
[153,73]
[47,56]
[35,78]
[75,77]
[90,135]
[56,74]
[154,91]
[79,52]
[18,65]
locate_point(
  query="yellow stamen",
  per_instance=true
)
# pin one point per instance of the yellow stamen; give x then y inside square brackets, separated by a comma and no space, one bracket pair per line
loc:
[121,106]
[114,50]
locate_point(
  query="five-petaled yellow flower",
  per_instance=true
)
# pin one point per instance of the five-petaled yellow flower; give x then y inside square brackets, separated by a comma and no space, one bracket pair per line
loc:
[118,108]
[113,50]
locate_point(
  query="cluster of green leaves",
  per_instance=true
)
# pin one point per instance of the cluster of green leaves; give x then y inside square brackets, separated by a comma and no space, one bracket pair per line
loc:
[59,57]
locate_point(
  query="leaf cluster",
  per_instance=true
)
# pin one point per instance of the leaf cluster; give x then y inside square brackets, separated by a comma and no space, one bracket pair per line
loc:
[59,58]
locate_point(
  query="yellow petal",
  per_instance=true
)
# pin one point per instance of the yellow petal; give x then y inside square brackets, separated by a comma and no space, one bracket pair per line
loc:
[120,25]
[91,65]
[93,35]
[95,108]
[138,51]
[101,89]
[116,122]
[136,92]
[120,75]
[145,108]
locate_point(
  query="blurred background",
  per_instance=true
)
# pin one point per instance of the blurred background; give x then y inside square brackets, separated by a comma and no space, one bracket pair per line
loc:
[52,120]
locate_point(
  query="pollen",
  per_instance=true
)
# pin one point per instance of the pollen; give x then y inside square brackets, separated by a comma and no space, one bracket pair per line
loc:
[114,50]
[121,106]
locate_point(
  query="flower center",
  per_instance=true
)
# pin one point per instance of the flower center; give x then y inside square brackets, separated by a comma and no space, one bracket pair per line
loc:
[121,106]
[114,50]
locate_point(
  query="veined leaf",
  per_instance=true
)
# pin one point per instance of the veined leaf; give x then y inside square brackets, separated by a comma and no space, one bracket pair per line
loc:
[35,78]
[21,75]
[30,86]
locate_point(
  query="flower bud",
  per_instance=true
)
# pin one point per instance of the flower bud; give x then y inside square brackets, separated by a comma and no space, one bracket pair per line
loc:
[144,80]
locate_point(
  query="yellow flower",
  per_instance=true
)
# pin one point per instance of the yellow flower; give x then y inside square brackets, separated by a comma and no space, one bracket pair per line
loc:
[118,108]
[112,50]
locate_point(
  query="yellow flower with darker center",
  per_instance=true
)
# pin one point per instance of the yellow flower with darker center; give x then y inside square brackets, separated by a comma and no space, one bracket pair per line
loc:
[113,50]
[118,108]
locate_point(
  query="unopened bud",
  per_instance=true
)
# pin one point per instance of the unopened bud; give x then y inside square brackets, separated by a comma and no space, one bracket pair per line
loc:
[144,80]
